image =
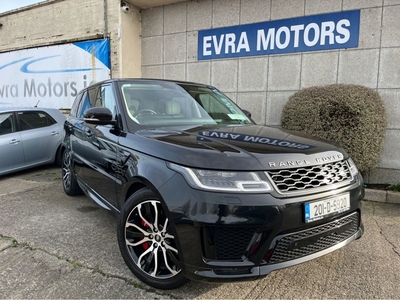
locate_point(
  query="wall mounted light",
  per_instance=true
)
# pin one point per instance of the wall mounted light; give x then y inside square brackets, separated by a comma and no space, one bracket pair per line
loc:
[125,6]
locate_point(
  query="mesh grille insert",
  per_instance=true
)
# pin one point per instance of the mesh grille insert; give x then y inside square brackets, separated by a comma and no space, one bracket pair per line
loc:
[231,243]
[304,178]
[315,239]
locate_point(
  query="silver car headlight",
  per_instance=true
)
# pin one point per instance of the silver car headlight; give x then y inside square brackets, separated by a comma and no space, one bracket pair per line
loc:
[353,167]
[223,181]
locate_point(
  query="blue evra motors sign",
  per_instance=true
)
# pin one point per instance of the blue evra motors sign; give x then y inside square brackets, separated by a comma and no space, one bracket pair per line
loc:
[312,33]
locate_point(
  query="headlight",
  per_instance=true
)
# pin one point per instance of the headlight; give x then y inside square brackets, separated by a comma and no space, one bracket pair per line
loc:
[223,181]
[352,166]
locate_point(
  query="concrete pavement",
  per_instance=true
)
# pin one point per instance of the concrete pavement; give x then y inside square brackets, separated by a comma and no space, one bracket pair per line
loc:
[55,246]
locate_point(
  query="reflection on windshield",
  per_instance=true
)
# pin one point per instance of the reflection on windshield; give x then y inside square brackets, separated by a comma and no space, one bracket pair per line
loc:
[171,104]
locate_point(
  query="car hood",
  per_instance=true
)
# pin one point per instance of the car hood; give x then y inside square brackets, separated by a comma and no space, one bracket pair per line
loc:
[248,147]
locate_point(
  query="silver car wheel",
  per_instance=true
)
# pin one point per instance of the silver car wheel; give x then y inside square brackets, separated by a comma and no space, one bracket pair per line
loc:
[66,170]
[149,242]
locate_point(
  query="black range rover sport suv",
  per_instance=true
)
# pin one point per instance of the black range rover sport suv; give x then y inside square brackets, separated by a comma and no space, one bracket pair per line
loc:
[201,191]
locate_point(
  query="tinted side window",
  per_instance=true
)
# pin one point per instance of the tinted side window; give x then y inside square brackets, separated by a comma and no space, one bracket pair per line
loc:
[106,98]
[74,108]
[88,101]
[33,119]
[93,95]
[6,123]
[84,105]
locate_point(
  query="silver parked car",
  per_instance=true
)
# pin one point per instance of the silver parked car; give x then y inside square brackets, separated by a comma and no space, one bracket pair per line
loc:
[29,137]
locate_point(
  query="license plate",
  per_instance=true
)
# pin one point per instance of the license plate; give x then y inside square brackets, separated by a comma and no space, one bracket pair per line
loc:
[320,209]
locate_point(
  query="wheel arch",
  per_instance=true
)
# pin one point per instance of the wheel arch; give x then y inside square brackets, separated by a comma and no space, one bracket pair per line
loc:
[58,155]
[149,173]
[62,148]
[135,185]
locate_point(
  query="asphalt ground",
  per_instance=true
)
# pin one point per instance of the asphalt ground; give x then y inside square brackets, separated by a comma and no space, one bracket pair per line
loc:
[56,246]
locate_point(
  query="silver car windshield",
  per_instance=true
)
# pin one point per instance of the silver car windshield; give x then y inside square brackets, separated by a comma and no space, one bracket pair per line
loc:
[169,104]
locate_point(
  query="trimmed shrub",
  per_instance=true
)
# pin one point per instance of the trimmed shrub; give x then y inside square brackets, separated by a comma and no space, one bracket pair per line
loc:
[351,115]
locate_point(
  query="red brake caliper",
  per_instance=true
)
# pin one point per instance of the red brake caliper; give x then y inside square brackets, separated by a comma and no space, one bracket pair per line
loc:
[147,244]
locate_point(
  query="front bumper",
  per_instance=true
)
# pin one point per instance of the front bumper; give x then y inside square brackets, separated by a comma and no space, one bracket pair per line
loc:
[282,257]
[227,237]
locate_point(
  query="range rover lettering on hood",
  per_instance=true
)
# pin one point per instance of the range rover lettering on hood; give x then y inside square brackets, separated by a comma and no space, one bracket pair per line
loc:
[252,139]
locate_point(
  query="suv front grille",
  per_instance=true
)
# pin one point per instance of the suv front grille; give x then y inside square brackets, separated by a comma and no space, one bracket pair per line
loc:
[305,178]
[307,242]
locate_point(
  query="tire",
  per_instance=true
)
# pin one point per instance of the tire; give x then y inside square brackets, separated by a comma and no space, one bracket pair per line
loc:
[147,243]
[69,182]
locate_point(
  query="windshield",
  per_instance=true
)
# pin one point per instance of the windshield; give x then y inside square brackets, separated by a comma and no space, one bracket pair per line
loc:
[169,104]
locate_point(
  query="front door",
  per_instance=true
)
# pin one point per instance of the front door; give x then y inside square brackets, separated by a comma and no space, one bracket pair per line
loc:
[11,150]
[101,150]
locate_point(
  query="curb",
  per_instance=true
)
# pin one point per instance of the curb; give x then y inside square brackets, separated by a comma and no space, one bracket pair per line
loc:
[382,196]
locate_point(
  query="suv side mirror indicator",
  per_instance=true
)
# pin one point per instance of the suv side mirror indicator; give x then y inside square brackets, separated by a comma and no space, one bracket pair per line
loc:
[99,116]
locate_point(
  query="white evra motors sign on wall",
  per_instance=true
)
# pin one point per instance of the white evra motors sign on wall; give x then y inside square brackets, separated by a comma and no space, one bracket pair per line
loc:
[312,33]
[52,75]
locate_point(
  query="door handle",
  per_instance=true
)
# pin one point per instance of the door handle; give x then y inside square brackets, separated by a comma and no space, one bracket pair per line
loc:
[14,141]
[54,133]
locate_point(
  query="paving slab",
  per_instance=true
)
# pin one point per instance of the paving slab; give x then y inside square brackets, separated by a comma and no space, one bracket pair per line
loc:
[34,274]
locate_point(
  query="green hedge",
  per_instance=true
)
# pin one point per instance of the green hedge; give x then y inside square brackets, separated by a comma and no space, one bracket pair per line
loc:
[351,115]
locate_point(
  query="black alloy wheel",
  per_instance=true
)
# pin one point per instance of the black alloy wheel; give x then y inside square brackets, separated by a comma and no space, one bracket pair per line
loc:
[147,243]
[69,182]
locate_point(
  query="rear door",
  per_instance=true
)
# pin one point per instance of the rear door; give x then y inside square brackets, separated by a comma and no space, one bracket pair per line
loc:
[40,135]
[11,151]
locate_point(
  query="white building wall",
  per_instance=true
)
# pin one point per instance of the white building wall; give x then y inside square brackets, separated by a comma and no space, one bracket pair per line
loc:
[52,22]
[263,84]
[64,21]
